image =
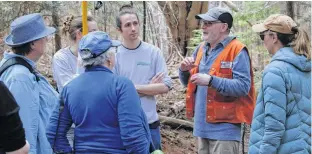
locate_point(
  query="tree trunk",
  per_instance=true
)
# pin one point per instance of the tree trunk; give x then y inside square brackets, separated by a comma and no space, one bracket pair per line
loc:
[55,17]
[105,17]
[290,9]
[151,22]
[144,20]
[180,18]
[183,10]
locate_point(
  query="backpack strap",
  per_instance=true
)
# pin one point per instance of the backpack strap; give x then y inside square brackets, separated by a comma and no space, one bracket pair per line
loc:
[18,61]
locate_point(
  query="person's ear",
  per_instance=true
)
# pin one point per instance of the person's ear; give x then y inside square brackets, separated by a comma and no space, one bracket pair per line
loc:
[119,29]
[224,27]
[32,45]
[78,35]
[109,63]
[274,37]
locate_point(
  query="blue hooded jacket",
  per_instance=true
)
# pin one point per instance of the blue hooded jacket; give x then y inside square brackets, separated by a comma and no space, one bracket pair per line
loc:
[282,117]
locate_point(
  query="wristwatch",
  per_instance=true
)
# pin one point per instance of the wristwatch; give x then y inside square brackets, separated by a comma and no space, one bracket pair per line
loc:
[210,82]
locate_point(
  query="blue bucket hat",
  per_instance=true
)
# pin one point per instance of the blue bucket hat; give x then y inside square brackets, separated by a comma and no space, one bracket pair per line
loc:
[27,28]
[96,43]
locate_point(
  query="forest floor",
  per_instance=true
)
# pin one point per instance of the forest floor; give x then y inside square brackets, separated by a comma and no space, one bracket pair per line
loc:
[175,140]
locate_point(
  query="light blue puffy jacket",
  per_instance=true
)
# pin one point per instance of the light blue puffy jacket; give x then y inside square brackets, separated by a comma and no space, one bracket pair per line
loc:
[282,117]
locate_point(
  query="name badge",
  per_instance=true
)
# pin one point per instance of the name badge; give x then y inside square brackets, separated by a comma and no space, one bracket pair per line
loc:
[226,64]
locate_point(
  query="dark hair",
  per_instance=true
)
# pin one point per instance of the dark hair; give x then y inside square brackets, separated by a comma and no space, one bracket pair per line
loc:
[125,9]
[72,24]
[23,49]
[299,41]
[285,38]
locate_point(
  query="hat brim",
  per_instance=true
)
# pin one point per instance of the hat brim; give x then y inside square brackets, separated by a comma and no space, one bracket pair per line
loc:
[115,43]
[205,17]
[48,31]
[258,28]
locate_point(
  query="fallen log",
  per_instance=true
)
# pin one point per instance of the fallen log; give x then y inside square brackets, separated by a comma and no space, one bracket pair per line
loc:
[175,123]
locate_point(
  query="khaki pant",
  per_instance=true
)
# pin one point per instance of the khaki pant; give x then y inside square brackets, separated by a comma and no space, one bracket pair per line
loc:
[208,146]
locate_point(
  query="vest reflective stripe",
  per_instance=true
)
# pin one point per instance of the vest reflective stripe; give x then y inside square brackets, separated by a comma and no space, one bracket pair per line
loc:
[221,108]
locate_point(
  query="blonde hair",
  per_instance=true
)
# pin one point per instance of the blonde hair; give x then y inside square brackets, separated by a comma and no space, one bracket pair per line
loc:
[301,43]
[72,24]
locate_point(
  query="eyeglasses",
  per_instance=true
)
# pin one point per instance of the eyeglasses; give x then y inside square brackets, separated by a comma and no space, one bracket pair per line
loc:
[208,23]
[262,34]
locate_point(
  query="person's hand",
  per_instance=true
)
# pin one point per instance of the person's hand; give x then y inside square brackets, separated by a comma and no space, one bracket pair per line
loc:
[187,64]
[158,78]
[200,79]
[23,150]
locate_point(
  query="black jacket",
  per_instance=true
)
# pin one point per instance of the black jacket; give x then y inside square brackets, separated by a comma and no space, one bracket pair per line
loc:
[12,134]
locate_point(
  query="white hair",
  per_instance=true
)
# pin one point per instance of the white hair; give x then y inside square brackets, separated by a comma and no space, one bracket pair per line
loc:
[99,60]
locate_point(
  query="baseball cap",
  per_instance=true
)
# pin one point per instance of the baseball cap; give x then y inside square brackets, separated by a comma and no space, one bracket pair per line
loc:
[96,43]
[217,13]
[276,22]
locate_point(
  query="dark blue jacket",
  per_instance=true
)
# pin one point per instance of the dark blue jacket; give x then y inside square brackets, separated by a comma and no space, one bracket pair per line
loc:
[107,113]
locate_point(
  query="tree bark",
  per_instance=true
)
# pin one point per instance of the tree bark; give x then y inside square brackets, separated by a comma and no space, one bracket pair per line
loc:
[55,17]
[180,18]
[144,21]
[290,9]
[105,17]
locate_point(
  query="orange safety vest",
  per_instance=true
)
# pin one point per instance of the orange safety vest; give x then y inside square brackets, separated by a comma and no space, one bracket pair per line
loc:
[221,108]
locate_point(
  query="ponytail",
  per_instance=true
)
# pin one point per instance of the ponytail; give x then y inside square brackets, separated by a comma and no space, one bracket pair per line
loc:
[301,43]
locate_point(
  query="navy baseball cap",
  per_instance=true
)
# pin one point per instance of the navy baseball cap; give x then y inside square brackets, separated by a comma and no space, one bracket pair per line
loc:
[217,13]
[97,43]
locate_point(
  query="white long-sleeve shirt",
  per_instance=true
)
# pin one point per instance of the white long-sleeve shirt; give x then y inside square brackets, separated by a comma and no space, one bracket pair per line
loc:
[64,66]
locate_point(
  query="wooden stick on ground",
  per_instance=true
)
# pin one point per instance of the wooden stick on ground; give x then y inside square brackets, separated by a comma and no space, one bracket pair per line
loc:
[175,123]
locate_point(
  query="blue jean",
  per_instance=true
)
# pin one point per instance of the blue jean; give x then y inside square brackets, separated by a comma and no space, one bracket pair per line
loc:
[156,138]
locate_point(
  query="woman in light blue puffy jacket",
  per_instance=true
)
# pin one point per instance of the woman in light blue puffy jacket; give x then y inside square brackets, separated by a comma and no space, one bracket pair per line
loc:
[282,117]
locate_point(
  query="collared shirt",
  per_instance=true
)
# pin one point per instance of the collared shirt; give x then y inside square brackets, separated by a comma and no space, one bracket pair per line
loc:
[238,86]
[36,101]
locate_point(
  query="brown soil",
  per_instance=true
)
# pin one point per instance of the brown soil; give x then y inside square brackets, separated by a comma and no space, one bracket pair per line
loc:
[175,140]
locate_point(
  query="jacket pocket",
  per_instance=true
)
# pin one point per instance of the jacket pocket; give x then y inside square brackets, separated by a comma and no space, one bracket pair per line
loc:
[217,111]
[225,72]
